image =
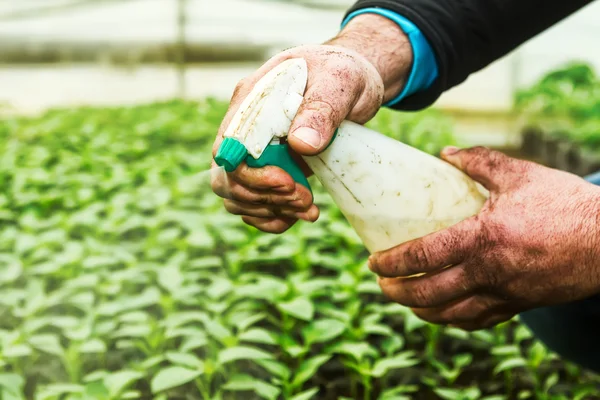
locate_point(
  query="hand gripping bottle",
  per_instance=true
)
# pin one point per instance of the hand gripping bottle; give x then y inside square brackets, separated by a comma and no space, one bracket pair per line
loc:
[389,192]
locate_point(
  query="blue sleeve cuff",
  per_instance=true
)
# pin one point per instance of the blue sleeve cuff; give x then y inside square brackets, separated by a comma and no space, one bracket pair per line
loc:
[594,178]
[424,70]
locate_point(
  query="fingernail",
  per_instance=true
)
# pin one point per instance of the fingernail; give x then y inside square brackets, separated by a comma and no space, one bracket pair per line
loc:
[308,136]
[449,150]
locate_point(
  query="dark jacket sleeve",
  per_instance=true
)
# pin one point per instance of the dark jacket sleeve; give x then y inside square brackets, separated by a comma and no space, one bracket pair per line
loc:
[467,35]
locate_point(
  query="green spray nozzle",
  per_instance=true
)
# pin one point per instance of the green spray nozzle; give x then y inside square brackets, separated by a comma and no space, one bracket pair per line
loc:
[256,130]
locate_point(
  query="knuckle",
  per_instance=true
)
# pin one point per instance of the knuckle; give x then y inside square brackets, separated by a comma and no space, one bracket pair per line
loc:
[488,268]
[478,311]
[416,258]
[421,296]
[302,200]
[479,159]
[485,276]
[231,207]
[469,314]
[239,87]
[478,151]
[262,199]
[523,171]
[451,316]
[274,211]
[322,111]
[284,213]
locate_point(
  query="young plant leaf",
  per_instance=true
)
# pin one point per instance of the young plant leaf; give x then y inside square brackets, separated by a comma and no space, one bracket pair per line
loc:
[402,360]
[357,350]
[306,395]
[172,377]
[258,335]
[510,363]
[392,344]
[185,359]
[276,368]
[93,346]
[301,308]
[322,331]
[12,383]
[248,383]
[242,353]
[48,343]
[250,320]
[192,343]
[308,368]
[117,382]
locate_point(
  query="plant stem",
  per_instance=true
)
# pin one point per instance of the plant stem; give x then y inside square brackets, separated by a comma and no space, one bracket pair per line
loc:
[434,333]
[367,384]
[286,391]
[354,386]
[508,379]
[202,389]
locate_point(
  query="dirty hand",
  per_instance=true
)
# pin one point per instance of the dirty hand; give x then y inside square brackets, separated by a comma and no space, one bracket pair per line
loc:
[535,243]
[349,78]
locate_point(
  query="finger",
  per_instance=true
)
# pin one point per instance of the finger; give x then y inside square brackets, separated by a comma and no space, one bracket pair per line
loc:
[492,169]
[237,208]
[467,310]
[266,178]
[429,253]
[300,198]
[432,290]
[270,225]
[328,100]
[486,323]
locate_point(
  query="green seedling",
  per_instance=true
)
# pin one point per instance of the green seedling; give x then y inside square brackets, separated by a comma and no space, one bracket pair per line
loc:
[122,277]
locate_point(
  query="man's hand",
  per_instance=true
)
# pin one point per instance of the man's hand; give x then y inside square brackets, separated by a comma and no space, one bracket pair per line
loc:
[535,243]
[349,78]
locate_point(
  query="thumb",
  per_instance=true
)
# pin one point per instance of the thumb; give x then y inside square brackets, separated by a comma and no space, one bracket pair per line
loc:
[319,115]
[492,169]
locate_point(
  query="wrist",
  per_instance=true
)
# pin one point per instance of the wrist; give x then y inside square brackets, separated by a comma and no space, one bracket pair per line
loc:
[384,45]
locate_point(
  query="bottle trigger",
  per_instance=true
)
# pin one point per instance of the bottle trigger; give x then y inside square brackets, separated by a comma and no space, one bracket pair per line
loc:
[291,105]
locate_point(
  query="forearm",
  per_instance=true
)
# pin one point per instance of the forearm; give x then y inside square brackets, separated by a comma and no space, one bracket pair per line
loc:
[467,35]
[384,44]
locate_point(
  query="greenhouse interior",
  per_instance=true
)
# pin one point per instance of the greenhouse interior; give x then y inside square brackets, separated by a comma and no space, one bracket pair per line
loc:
[122,274]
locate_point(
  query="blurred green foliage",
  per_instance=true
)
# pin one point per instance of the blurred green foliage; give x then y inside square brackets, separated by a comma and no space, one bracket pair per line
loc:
[567,102]
[122,277]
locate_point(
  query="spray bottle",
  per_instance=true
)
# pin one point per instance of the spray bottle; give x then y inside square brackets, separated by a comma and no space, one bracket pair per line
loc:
[389,192]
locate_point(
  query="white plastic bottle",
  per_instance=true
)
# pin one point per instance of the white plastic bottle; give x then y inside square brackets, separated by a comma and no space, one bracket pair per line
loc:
[388,191]
[391,192]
